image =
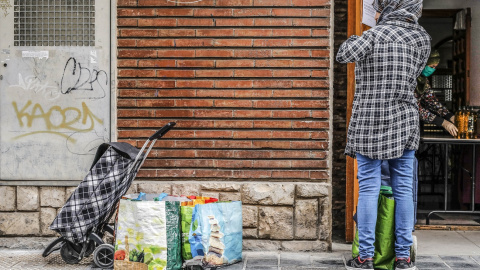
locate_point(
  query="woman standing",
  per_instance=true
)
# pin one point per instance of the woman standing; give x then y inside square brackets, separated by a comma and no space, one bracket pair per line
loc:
[431,110]
[385,121]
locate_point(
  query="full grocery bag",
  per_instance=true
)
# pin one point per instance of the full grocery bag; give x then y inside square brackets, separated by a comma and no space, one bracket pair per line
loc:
[186,212]
[215,234]
[384,256]
[148,234]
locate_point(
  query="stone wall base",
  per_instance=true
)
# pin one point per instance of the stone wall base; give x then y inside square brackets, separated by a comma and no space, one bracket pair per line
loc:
[288,216]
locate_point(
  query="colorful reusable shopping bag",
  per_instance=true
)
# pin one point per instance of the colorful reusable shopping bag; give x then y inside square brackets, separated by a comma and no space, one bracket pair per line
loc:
[186,219]
[384,256]
[186,211]
[215,234]
[148,235]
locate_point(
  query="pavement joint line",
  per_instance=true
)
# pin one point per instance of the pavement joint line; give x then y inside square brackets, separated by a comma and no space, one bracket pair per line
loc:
[468,239]
[446,264]
[245,263]
[471,257]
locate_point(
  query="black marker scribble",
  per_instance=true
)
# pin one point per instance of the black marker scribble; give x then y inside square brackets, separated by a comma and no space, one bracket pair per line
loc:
[75,77]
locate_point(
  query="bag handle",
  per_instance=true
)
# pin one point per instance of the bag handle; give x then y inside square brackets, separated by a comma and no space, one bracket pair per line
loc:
[162,131]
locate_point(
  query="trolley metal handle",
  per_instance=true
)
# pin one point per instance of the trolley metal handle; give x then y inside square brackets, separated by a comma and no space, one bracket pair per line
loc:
[162,131]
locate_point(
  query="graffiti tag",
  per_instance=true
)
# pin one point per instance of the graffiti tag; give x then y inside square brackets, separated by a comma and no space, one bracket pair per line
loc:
[32,83]
[56,119]
[75,77]
[4,5]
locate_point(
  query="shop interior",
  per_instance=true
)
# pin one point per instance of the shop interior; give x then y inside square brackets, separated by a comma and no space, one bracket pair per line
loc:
[446,171]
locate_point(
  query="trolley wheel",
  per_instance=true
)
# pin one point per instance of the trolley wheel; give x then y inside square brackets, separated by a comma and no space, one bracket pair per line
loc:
[90,248]
[413,249]
[69,254]
[103,256]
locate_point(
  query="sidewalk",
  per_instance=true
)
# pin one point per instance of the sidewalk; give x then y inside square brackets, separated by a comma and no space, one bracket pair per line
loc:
[437,250]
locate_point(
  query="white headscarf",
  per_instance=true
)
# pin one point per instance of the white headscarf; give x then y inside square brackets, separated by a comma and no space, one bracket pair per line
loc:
[399,10]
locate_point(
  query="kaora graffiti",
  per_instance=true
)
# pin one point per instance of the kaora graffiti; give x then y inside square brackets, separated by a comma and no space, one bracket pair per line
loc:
[32,83]
[75,78]
[56,119]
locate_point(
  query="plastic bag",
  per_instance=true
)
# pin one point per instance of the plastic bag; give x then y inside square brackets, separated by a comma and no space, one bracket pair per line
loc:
[215,234]
[186,212]
[148,234]
[384,257]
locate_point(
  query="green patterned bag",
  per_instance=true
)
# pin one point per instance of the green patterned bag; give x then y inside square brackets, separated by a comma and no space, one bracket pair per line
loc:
[384,257]
[148,235]
[186,217]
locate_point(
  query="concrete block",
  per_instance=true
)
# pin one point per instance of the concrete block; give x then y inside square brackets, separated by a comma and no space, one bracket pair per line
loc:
[7,198]
[275,223]
[52,196]
[186,189]
[152,187]
[216,186]
[20,223]
[250,216]
[230,196]
[309,190]
[28,198]
[268,194]
[249,233]
[47,215]
[306,219]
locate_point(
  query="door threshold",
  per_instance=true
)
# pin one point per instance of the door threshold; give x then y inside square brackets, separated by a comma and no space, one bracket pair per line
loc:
[447,227]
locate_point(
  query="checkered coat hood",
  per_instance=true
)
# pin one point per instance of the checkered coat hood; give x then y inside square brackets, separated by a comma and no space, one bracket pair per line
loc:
[389,58]
[95,199]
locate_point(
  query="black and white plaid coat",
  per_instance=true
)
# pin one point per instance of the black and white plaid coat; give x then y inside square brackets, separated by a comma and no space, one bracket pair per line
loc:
[389,57]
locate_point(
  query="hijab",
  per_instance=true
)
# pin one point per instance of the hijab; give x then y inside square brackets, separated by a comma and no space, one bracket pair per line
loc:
[398,10]
[422,81]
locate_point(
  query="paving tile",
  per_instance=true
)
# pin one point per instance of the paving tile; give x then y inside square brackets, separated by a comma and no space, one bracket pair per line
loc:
[237,266]
[327,262]
[428,258]
[264,260]
[260,267]
[463,265]
[431,265]
[287,259]
[307,268]
[476,258]
[456,258]
[435,242]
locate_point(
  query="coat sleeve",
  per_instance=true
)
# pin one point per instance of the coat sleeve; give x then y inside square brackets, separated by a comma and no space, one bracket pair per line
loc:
[434,104]
[355,48]
[427,102]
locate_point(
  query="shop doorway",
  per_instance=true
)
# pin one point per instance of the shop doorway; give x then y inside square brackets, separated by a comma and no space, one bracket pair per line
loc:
[452,81]
[445,179]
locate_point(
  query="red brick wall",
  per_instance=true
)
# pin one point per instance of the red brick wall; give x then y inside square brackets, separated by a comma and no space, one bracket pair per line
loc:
[247,82]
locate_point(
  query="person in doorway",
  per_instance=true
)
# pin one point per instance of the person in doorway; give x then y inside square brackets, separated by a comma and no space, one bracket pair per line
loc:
[431,110]
[385,121]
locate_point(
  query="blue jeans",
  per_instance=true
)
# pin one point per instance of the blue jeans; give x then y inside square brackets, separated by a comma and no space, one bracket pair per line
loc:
[386,182]
[369,181]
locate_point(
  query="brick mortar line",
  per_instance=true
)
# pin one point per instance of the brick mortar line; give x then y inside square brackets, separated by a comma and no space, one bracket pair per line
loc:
[225,37]
[224,119]
[214,17]
[326,6]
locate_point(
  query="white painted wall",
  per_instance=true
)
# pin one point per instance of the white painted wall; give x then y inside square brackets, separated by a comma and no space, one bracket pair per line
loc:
[475,51]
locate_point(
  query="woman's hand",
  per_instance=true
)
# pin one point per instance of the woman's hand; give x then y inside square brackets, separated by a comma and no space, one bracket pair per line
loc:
[452,119]
[451,128]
